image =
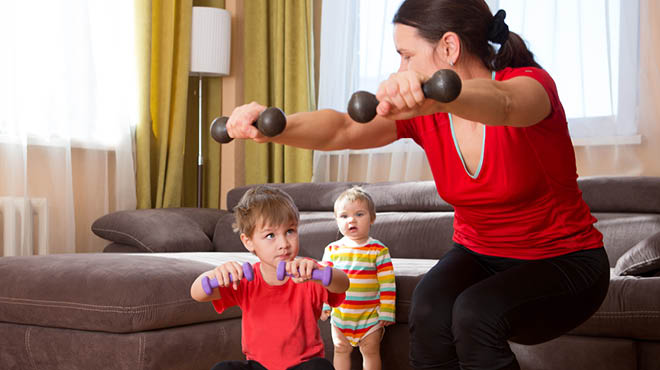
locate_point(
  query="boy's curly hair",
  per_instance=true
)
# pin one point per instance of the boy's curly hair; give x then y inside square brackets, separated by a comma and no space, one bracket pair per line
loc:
[357,193]
[265,205]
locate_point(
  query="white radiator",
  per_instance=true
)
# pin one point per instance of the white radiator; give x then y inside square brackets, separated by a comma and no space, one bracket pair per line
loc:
[19,215]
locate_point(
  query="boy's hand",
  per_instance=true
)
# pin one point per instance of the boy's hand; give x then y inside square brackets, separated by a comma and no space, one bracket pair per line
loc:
[301,269]
[222,274]
[386,322]
[325,314]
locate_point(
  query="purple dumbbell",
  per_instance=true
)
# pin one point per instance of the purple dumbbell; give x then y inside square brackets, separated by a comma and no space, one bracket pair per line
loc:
[209,284]
[324,275]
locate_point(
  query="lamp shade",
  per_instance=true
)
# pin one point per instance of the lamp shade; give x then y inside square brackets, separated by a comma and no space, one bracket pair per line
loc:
[210,41]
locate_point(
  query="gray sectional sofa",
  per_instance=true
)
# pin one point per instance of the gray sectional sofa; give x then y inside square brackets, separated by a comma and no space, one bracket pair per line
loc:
[129,308]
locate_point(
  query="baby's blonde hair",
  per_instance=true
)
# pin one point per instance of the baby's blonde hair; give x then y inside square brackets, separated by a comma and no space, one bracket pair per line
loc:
[265,204]
[357,193]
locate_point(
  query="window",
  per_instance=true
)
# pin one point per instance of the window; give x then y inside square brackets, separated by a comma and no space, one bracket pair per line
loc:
[67,71]
[590,48]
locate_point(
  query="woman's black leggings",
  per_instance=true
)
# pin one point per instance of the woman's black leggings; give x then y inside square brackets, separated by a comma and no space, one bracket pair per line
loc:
[468,305]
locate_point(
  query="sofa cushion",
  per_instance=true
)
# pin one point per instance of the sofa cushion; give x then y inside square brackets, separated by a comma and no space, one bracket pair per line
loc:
[642,259]
[570,352]
[635,194]
[306,196]
[425,235]
[121,248]
[408,272]
[224,237]
[622,231]
[161,230]
[413,196]
[316,230]
[631,309]
[108,292]
[432,232]
[190,347]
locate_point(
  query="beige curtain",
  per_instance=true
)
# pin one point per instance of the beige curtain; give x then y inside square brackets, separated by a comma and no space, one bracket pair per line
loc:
[642,159]
[279,71]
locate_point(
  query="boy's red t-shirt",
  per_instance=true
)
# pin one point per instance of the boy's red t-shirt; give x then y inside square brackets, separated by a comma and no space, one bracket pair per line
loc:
[523,202]
[279,323]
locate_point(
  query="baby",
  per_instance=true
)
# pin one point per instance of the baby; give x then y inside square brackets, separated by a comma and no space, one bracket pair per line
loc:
[369,305]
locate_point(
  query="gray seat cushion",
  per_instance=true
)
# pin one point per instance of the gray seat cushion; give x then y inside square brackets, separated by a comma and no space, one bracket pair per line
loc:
[408,273]
[631,310]
[116,293]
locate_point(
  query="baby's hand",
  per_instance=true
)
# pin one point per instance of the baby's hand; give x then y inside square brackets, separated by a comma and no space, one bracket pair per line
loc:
[386,322]
[301,269]
[325,314]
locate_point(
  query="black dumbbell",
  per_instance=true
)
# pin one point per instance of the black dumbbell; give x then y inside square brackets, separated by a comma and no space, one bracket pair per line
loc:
[271,122]
[444,86]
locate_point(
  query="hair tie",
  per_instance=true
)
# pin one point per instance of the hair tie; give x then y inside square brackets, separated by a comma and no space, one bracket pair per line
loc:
[498,32]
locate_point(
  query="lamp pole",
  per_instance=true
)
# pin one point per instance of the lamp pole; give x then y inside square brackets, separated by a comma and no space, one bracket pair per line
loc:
[210,44]
[200,156]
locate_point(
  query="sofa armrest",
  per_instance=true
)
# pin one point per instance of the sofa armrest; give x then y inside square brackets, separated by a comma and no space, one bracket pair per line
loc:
[121,248]
[161,230]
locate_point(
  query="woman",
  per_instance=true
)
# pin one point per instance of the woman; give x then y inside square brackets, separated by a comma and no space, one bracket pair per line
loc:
[527,264]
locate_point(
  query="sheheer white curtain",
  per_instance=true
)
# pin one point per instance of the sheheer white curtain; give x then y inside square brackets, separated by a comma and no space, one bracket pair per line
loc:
[67,116]
[590,47]
[357,53]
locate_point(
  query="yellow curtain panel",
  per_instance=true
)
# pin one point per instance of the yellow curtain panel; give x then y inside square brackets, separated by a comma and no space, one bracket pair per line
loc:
[279,71]
[166,137]
[163,45]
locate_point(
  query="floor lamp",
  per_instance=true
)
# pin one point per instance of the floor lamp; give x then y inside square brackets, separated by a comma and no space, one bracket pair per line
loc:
[209,57]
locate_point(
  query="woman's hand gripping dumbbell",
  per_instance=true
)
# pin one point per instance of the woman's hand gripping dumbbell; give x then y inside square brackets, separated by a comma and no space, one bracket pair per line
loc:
[444,86]
[209,284]
[271,122]
[324,275]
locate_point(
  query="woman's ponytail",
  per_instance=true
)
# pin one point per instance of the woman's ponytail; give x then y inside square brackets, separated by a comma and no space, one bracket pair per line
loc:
[513,52]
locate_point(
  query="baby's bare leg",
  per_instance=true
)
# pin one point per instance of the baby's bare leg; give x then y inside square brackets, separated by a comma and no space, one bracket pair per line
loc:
[370,349]
[343,349]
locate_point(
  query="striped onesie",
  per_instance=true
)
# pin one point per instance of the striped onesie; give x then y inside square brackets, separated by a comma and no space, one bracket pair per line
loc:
[372,293]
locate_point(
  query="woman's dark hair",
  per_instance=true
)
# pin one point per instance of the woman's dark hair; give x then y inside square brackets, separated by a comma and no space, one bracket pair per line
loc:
[474,24]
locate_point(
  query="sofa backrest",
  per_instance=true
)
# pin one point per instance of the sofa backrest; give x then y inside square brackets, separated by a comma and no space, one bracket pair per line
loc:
[415,196]
[627,209]
[414,222]
[403,209]
[425,235]
[623,194]
[627,194]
